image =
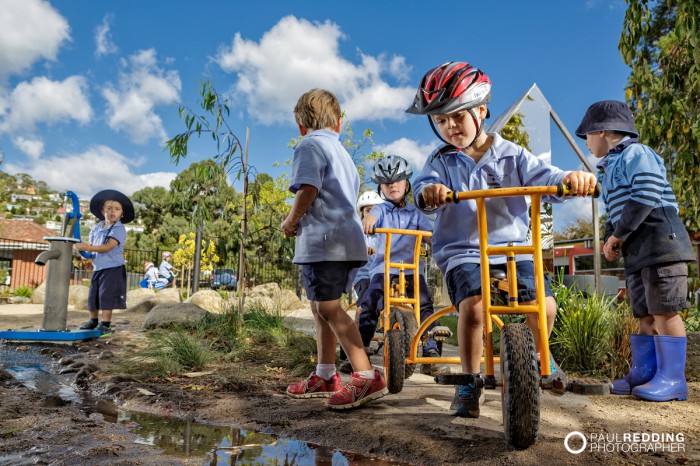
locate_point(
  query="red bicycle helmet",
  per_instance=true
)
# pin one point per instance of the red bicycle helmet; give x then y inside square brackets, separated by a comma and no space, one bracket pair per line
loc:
[451,87]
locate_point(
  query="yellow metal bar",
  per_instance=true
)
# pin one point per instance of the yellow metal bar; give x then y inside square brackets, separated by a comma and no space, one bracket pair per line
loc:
[520,309]
[485,285]
[539,286]
[502,250]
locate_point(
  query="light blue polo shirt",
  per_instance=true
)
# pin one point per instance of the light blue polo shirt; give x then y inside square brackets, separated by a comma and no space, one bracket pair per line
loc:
[98,237]
[331,229]
[363,272]
[504,165]
[402,246]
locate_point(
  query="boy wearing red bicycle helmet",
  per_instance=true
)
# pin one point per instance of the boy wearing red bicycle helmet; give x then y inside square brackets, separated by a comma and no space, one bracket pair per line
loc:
[454,96]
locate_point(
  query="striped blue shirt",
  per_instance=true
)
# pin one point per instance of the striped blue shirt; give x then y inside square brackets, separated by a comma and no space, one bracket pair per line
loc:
[636,174]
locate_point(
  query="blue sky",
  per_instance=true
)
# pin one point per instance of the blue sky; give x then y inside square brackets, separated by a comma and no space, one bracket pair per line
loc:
[90,90]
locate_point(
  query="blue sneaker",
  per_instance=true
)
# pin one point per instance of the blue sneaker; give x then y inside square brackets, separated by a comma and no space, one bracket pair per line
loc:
[104,330]
[466,401]
[557,379]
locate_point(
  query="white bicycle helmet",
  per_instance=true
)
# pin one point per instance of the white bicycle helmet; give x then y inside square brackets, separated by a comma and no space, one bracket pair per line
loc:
[368,198]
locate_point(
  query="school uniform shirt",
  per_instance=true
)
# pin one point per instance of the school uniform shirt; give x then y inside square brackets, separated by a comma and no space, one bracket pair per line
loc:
[402,246]
[504,165]
[642,208]
[331,229]
[164,269]
[363,272]
[100,235]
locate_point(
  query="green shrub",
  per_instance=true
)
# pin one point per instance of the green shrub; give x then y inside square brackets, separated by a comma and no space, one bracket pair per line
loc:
[24,291]
[582,333]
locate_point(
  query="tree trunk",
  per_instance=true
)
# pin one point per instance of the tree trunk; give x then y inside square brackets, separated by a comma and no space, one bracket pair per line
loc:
[242,279]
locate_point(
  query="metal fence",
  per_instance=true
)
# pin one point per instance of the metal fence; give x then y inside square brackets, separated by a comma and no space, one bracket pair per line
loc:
[17,267]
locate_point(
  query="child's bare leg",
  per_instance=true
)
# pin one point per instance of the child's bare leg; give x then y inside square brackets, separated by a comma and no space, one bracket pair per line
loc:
[669,324]
[325,338]
[470,330]
[343,328]
[106,315]
[646,325]
[550,306]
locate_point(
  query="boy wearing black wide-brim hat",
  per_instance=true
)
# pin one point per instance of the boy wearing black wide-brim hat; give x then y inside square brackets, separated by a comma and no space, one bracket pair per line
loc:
[107,238]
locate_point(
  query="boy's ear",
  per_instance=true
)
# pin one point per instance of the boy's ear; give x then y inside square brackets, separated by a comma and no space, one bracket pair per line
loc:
[302,131]
[339,125]
[483,111]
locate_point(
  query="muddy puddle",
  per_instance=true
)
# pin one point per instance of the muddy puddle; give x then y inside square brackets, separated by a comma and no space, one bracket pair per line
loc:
[33,366]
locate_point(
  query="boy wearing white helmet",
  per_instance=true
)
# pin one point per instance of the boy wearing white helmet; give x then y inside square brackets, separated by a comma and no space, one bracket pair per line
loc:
[454,96]
[365,202]
[152,276]
[166,269]
[392,174]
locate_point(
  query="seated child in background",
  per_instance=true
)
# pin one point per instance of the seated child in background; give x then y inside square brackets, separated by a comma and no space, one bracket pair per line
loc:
[392,173]
[165,269]
[454,97]
[367,200]
[153,278]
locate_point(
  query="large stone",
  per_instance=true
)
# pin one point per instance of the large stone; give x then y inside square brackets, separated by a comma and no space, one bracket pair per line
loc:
[168,295]
[134,297]
[209,300]
[273,298]
[144,306]
[171,314]
[39,293]
[78,297]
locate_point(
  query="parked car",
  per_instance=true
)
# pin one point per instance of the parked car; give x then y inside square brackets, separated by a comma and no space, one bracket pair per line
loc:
[226,279]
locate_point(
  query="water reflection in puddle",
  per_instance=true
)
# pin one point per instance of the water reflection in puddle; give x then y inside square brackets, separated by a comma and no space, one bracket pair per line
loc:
[224,445]
[214,444]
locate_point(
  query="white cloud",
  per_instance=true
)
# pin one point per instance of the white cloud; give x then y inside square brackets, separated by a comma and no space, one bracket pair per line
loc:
[29,30]
[297,55]
[416,154]
[143,85]
[43,100]
[104,45]
[86,173]
[32,147]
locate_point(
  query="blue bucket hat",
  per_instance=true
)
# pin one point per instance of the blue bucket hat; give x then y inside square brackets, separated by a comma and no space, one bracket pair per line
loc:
[607,115]
[100,198]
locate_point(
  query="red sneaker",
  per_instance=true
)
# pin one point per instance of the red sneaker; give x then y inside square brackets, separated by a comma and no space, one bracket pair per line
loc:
[315,387]
[358,391]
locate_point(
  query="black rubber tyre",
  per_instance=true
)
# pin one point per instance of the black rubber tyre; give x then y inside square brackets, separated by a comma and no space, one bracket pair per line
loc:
[406,321]
[394,360]
[520,390]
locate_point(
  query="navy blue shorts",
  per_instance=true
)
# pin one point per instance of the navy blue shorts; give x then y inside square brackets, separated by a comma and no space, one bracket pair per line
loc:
[659,289]
[108,289]
[464,281]
[361,288]
[327,281]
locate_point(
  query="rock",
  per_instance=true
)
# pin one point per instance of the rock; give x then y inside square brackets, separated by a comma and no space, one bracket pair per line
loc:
[66,361]
[169,314]
[20,300]
[78,297]
[208,300]
[106,355]
[134,297]
[169,295]
[39,293]
[268,290]
[271,297]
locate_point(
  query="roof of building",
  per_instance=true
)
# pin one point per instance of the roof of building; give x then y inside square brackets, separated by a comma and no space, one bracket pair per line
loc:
[24,230]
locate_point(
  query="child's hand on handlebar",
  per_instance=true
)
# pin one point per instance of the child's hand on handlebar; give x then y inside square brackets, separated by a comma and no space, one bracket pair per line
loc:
[582,183]
[368,223]
[435,195]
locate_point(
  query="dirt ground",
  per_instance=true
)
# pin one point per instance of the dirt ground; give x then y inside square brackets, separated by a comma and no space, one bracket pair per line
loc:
[411,427]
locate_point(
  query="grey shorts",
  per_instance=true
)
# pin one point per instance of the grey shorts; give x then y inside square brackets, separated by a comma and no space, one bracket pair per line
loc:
[659,289]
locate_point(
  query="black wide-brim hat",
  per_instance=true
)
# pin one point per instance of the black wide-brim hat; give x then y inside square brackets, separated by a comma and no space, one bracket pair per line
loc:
[607,115]
[100,198]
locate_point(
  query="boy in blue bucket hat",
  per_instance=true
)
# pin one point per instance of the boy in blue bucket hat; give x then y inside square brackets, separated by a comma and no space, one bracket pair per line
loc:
[107,238]
[643,224]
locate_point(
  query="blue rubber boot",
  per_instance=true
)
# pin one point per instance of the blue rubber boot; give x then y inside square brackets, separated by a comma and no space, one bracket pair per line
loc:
[643,365]
[669,382]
